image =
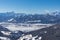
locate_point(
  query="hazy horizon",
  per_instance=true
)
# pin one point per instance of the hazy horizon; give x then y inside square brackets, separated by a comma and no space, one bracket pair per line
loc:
[29,6]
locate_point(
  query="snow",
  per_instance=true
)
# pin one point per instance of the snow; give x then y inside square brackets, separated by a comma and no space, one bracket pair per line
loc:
[27,37]
[40,38]
[5,33]
[35,21]
[23,28]
[4,38]
[26,28]
[30,37]
[11,19]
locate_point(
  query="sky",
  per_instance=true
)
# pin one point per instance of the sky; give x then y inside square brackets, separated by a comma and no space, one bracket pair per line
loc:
[29,6]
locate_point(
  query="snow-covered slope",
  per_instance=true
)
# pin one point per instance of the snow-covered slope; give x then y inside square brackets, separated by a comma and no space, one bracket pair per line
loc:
[24,27]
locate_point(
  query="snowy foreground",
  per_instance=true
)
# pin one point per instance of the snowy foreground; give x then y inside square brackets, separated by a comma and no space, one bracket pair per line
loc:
[15,27]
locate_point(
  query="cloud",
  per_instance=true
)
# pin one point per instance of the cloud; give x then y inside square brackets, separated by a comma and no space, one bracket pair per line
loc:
[46,11]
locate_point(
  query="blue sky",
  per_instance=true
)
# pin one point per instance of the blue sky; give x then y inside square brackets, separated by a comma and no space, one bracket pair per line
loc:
[29,6]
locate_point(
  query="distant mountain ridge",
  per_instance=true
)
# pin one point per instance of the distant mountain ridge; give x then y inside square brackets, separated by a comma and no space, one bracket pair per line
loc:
[53,17]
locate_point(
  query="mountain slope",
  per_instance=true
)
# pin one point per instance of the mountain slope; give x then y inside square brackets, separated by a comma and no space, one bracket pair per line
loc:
[49,33]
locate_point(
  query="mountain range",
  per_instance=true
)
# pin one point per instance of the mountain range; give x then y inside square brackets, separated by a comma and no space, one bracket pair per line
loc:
[53,17]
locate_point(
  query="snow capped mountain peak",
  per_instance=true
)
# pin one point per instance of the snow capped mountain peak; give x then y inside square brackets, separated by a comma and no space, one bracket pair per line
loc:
[12,20]
[55,13]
